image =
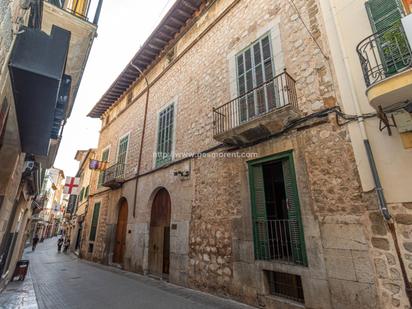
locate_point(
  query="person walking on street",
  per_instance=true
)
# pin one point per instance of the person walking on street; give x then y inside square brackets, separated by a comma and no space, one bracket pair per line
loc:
[35,242]
[66,244]
[59,244]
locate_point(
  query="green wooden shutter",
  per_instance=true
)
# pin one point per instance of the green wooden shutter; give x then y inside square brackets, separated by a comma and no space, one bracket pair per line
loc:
[260,223]
[165,136]
[295,222]
[121,156]
[95,221]
[81,195]
[391,43]
[383,13]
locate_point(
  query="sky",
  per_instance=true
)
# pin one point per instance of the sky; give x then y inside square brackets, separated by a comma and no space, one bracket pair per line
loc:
[124,26]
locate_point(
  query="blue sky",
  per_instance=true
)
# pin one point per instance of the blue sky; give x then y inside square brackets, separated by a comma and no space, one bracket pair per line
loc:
[123,27]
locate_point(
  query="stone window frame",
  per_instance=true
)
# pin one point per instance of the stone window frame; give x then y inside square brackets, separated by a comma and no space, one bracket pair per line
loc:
[127,148]
[273,29]
[174,102]
[108,147]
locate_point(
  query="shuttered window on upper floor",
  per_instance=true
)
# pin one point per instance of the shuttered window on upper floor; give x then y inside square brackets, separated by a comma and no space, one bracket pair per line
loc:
[105,158]
[165,135]
[384,13]
[255,70]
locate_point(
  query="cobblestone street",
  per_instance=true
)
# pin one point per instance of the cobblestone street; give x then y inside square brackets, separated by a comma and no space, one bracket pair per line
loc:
[64,281]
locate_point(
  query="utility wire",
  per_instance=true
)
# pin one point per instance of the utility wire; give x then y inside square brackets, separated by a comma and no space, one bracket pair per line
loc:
[292,3]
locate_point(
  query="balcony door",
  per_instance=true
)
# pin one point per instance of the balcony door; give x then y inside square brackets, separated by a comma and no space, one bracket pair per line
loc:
[258,93]
[122,156]
[385,19]
[277,223]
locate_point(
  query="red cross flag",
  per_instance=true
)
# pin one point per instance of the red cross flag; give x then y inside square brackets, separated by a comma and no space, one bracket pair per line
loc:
[72,186]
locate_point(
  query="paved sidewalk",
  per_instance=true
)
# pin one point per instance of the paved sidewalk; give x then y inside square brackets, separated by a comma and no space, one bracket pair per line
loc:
[63,281]
[19,295]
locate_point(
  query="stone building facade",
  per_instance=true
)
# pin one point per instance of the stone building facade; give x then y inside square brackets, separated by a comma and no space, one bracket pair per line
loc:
[197,216]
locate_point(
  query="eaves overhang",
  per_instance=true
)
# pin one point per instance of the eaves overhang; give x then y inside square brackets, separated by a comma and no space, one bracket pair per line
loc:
[167,30]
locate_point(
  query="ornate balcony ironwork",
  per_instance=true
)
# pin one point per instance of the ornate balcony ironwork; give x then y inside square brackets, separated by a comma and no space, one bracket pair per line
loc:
[384,53]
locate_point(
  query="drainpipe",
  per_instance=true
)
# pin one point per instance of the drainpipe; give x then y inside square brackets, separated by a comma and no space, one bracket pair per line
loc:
[139,163]
[361,123]
[378,187]
[98,10]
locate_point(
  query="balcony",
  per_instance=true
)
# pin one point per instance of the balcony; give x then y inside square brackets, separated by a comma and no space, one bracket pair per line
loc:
[114,176]
[279,240]
[386,61]
[258,113]
[83,9]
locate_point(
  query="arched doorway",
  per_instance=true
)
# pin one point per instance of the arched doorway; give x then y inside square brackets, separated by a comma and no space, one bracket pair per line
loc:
[121,227]
[159,241]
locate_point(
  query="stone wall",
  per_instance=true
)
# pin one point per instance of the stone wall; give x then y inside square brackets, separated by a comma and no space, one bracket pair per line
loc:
[212,246]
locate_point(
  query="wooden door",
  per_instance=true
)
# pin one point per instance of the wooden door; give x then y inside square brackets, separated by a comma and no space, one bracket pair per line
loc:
[120,244]
[159,243]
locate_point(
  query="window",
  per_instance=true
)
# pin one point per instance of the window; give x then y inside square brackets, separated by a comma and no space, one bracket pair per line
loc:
[95,221]
[165,136]
[81,195]
[385,19]
[383,13]
[105,158]
[86,193]
[257,90]
[122,155]
[277,226]
[285,285]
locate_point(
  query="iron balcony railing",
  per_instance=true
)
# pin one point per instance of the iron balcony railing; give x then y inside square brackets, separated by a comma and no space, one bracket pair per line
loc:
[271,95]
[114,173]
[384,54]
[85,9]
[279,240]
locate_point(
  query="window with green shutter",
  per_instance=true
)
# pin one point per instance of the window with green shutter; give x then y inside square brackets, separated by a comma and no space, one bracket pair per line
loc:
[255,66]
[122,155]
[392,45]
[165,136]
[86,193]
[277,224]
[95,221]
[383,13]
[105,158]
[81,195]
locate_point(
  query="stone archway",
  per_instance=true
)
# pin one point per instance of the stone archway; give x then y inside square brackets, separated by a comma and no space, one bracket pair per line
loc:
[121,228]
[159,239]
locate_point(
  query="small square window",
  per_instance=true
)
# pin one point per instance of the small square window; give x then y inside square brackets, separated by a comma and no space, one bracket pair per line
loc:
[90,248]
[285,285]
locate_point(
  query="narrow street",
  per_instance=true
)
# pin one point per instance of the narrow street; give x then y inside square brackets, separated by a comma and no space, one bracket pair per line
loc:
[64,281]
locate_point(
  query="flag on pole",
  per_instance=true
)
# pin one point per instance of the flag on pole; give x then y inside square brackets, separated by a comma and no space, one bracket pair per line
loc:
[97,165]
[72,186]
